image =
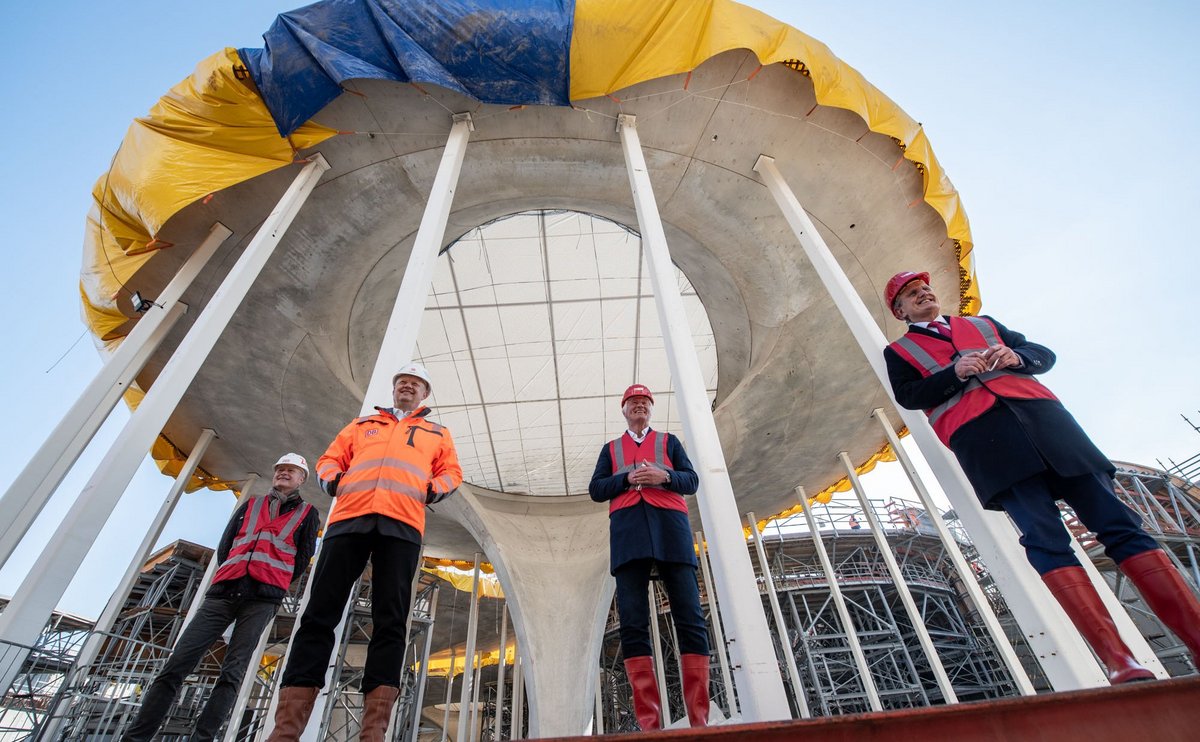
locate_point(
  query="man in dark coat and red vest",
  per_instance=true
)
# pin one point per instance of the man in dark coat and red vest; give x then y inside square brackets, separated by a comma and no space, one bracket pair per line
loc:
[264,550]
[643,476]
[1022,452]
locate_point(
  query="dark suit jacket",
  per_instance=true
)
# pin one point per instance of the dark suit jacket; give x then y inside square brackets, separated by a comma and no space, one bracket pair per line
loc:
[643,531]
[1016,438]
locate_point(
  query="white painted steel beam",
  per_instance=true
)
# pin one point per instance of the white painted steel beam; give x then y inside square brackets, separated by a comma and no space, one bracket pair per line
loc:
[798,694]
[247,686]
[465,705]
[498,723]
[104,624]
[23,620]
[399,343]
[714,616]
[966,575]
[1065,658]
[423,675]
[902,589]
[660,668]
[32,488]
[839,603]
[755,671]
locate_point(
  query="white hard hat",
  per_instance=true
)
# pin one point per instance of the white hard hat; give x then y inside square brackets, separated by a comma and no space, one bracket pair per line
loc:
[417,370]
[294,459]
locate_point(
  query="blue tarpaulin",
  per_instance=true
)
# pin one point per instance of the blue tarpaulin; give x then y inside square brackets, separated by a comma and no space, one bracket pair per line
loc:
[496,51]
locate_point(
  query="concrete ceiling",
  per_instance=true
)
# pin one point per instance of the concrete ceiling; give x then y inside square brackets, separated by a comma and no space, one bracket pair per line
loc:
[793,387]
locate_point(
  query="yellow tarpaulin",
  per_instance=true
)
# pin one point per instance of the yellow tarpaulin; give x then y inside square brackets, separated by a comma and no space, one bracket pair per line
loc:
[211,131]
[619,43]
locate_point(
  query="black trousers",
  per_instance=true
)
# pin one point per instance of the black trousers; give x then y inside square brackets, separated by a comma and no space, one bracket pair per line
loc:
[342,559]
[633,606]
[249,618]
[1031,503]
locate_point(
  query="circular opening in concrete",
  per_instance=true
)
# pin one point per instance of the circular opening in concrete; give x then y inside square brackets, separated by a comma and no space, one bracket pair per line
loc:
[535,325]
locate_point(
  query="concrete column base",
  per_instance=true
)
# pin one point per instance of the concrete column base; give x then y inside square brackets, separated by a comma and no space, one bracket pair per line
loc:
[551,556]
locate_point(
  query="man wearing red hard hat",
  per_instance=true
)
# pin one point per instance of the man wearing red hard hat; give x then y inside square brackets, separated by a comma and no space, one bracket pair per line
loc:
[643,476]
[1022,452]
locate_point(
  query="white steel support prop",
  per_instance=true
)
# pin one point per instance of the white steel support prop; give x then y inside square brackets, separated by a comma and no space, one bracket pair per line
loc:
[34,601]
[423,675]
[715,617]
[464,699]
[475,717]
[1064,657]
[598,714]
[902,589]
[660,668]
[839,602]
[785,642]
[966,575]
[449,695]
[32,488]
[498,723]
[104,624]
[213,563]
[400,338]
[518,713]
[404,324]
[755,670]
[248,680]
[108,617]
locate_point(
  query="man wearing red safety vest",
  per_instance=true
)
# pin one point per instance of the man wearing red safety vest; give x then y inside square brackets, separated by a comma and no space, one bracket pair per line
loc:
[643,476]
[1022,452]
[264,550]
[384,469]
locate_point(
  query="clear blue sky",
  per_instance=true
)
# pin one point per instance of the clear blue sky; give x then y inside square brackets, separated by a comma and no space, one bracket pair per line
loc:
[1065,127]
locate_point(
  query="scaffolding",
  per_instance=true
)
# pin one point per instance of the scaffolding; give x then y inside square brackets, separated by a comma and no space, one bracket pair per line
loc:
[27,702]
[99,701]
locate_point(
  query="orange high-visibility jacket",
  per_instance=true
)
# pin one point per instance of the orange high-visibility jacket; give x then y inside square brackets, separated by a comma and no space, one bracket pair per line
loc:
[379,464]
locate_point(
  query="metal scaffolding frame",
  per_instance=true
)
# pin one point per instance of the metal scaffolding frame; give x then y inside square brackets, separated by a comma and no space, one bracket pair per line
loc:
[100,700]
[1169,507]
[27,703]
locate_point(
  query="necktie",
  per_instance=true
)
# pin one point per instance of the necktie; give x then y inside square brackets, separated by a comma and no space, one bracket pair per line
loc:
[940,328]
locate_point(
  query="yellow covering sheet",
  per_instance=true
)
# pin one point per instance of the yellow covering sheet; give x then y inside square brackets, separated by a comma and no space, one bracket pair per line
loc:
[619,43]
[209,132]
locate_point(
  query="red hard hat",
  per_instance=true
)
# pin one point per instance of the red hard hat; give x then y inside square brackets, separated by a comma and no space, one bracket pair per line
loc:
[898,282]
[637,390]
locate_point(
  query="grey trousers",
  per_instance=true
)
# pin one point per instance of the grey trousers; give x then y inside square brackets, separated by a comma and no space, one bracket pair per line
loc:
[249,618]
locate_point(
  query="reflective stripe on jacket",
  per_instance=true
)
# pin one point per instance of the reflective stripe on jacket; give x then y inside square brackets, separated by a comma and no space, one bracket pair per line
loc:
[265,547]
[626,455]
[379,464]
[929,355]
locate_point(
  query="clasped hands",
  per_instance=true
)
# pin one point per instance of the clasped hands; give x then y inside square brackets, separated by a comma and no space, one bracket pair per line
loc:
[995,357]
[646,475]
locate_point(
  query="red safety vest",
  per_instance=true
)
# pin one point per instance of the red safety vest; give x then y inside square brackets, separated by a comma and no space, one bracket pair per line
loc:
[627,454]
[264,548]
[930,355]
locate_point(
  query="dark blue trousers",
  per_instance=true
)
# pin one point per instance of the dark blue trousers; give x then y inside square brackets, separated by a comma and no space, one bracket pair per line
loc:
[249,619]
[633,606]
[1032,504]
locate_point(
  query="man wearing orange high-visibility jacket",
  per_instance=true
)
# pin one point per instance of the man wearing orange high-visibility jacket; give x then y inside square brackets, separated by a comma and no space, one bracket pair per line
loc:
[384,469]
